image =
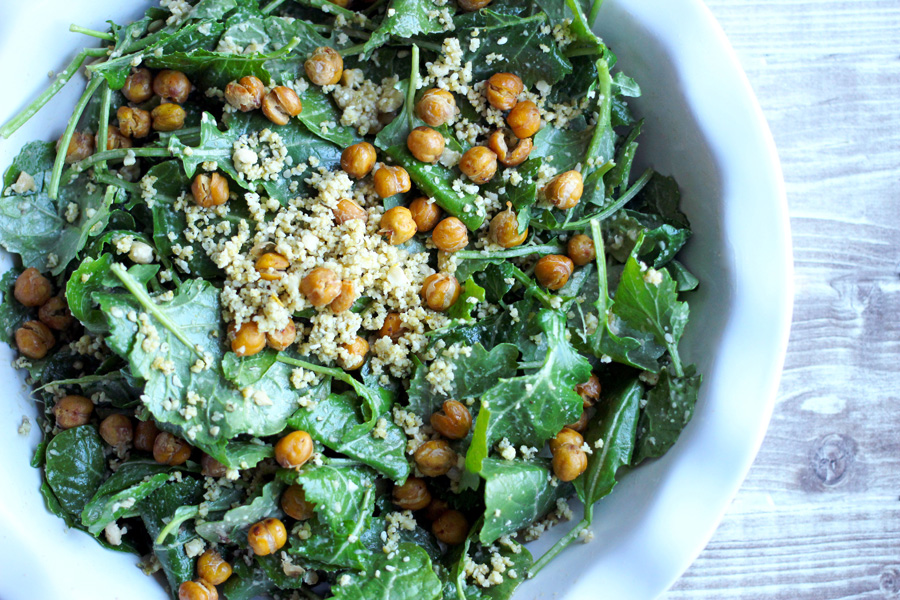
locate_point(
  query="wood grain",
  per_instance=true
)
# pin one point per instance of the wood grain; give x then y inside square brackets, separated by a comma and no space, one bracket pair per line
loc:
[818,517]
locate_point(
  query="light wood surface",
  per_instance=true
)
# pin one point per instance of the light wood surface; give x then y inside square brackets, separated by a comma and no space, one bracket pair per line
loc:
[818,517]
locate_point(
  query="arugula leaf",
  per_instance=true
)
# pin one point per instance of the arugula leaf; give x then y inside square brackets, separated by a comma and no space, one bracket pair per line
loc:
[327,549]
[670,406]
[394,578]
[12,313]
[158,508]
[322,118]
[118,496]
[240,518]
[561,148]
[85,280]
[245,371]
[685,280]
[405,19]
[463,307]
[343,493]
[75,466]
[662,197]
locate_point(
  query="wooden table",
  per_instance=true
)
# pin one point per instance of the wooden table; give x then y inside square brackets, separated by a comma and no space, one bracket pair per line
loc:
[819,516]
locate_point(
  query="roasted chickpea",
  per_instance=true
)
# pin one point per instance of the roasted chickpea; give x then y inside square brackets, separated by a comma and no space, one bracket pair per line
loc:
[116,430]
[354,354]
[426,144]
[524,119]
[581,249]
[271,266]
[341,3]
[138,86]
[453,421]
[391,180]
[569,461]
[357,160]
[499,145]
[210,467]
[248,339]
[503,89]
[197,590]
[397,225]
[347,210]
[436,107]
[450,235]
[209,191]
[346,298]
[452,528]
[479,164]
[144,435]
[245,94]
[320,286]
[172,86]
[293,450]
[589,391]
[133,122]
[282,339]
[440,290]
[212,568]
[392,327]
[55,314]
[581,424]
[168,117]
[281,105]
[412,495]
[566,436]
[324,67]
[426,214]
[471,5]
[504,229]
[73,411]
[80,147]
[267,537]
[553,271]
[170,450]
[32,288]
[34,340]
[114,139]
[435,509]
[295,504]
[565,190]
[435,458]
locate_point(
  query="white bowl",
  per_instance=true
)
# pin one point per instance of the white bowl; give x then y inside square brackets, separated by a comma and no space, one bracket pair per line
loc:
[704,127]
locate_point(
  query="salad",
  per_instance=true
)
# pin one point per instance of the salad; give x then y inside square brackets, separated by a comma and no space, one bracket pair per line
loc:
[344,299]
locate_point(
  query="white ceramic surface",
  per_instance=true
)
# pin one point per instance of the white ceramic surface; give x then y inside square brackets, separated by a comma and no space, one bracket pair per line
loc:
[703,126]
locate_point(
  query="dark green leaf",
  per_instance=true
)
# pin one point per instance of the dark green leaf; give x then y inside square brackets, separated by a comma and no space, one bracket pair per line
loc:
[75,467]
[394,578]
[669,408]
[12,313]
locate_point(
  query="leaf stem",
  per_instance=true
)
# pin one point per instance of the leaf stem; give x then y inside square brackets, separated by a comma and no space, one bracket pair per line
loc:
[272,6]
[600,252]
[91,32]
[511,253]
[110,179]
[63,146]
[557,548]
[116,154]
[176,522]
[595,11]
[103,124]
[613,208]
[413,86]
[352,50]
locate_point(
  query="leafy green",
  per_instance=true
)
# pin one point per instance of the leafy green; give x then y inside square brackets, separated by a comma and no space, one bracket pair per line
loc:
[459,588]
[469,297]
[118,496]
[561,148]
[12,313]
[669,408]
[75,466]
[405,19]
[245,371]
[662,197]
[343,493]
[240,518]
[394,578]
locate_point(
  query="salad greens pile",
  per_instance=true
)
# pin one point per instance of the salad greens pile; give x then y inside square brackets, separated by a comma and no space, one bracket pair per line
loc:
[149,333]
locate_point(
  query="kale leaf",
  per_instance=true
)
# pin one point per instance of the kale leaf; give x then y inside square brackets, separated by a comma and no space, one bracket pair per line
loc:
[394,578]
[669,408]
[75,467]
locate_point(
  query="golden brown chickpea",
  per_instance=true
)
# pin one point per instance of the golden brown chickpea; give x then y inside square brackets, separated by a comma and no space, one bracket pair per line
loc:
[589,391]
[245,94]
[32,288]
[450,235]
[197,590]
[553,271]
[453,421]
[566,436]
[80,147]
[397,225]
[426,214]
[441,291]
[357,160]
[271,266]
[34,340]
[392,327]
[209,191]
[503,89]
[144,435]
[293,450]
[324,67]
[565,190]
[479,164]
[320,286]
[348,210]
[212,568]
[116,430]
[55,314]
[581,249]
[412,495]
[168,117]
[435,458]
[138,86]
[435,509]
[356,354]
[436,107]
[524,119]
[569,461]
[295,504]
[281,105]
[346,298]
[210,467]
[281,340]
[172,86]
[133,122]
[452,528]
[170,450]
[499,145]
[73,411]
[504,229]
[267,537]
[426,144]
[581,424]
[248,340]
[114,139]
[341,3]
[391,180]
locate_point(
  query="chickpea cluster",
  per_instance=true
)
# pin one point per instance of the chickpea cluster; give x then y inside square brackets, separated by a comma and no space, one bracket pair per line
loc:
[279,104]
[35,338]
